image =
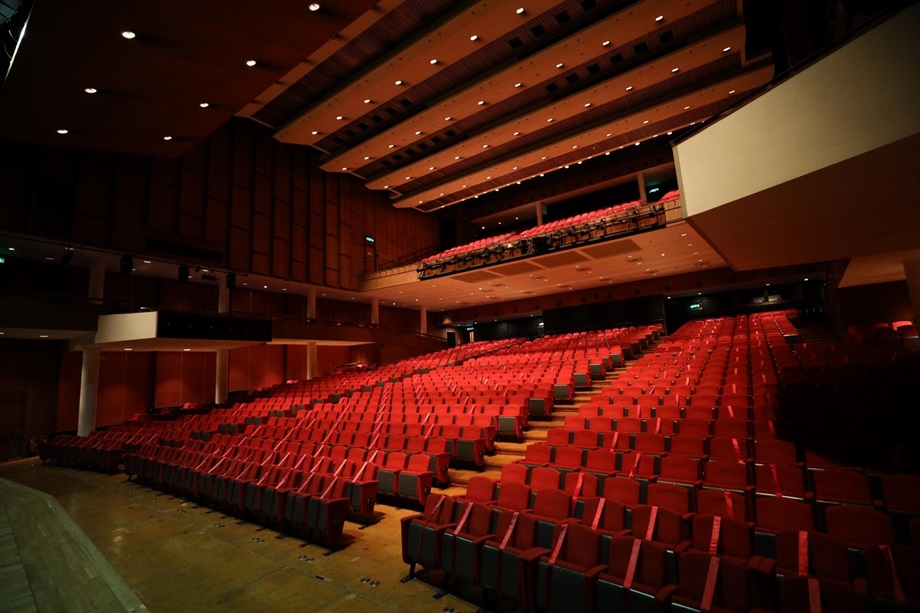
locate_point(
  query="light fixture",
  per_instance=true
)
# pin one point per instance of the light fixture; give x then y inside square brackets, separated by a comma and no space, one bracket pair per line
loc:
[367,157]
[726,49]
[204,105]
[731,92]
[518,84]
[90,90]
[456,157]
[481,102]
[62,131]
[250,63]
[683,234]
[485,146]
[560,65]
[167,138]
[474,37]
[417,132]
[550,120]
[367,101]
[390,146]
[314,6]
[687,108]
[587,104]
[128,34]
[408,178]
[675,69]
[448,118]
[314,132]
[339,117]
[629,88]
[42,336]
[520,11]
[645,122]
[516,134]
[344,167]
[606,43]
[806,279]
[398,82]
[433,61]
[186,349]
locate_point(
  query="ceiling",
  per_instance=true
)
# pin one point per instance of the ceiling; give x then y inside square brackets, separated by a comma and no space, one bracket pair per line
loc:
[438,102]
[610,74]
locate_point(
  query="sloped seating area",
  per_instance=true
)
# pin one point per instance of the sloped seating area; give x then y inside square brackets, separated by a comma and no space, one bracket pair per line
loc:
[306,455]
[596,225]
[722,471]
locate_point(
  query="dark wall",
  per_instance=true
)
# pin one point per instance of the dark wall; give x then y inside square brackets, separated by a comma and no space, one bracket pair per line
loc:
[880,302]
[600,315]
[240,200]
[28,391]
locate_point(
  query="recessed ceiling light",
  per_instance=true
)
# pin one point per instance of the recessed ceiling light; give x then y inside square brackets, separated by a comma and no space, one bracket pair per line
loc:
[637,143]
[662,255]
[186,350]
[645,122]
[90,90]
[12,248]
[408,178]
[806,279]
[448,118]
[629,88]
[675,69]
[128,349]
[204,105]
[485,146]
[264,287]
[456,157]
[560,65]
[732,92]
[574,146]
[398,82]
[314,6]
[687,108]
[42,336]
[587,104]
[339,117]
[128,34]
[520,11]
[62,131]
[474,37]
[250,63]
[344,167]
[669,133]
[606,43]
[433,61]
[683,234]
[367,101]
[516,134]
[367,157]
[549,120]
[726,49]
[481,102]
[431,167]
[146,261]
[391,146]
[386,187]
[167,138]
[284,289]
[50,259]
[518,84]
[417,132]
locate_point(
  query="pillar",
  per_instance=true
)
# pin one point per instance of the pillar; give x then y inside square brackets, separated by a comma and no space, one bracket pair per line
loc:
[311,303]
[643,195]
[539,206]
[423,323]
[311,360]
[96,278]
[375,311]
[222,363]
[89,380]
[912,274]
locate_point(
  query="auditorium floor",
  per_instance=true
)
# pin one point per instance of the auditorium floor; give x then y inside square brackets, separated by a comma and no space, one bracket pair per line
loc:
[84,541]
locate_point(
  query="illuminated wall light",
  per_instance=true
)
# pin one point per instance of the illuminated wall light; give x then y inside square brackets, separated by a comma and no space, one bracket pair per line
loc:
[62,131]
[128,34]
[314,6]
[204,105]
[250,63]
[90,90]
[167,138]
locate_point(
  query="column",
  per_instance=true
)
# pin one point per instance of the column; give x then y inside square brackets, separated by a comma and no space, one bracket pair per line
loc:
[311,303]
[640,177]
[311,360]
[375,311]
[96,278]
[539,206]
[912,274]
[222,364]
[89,380]
[423,324]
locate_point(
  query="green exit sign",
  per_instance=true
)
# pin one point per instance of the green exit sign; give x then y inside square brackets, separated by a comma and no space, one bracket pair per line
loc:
[2,260]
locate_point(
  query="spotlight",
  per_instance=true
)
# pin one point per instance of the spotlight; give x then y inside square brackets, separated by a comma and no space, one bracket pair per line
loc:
[126,264]
[231,280]
[183,273]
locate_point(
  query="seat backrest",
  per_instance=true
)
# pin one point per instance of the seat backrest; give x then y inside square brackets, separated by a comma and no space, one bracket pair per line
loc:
[622,490]
[514,496]
[514,473]
[722,536]
[669,496]
[480,488]
[858,526]
[395,461]
[802,552]
[552,503]
[774,513]
[418,463]
[542,478]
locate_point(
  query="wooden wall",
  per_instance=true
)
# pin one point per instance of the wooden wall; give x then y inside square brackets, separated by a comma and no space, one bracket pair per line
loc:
[239,201]
[865,305]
